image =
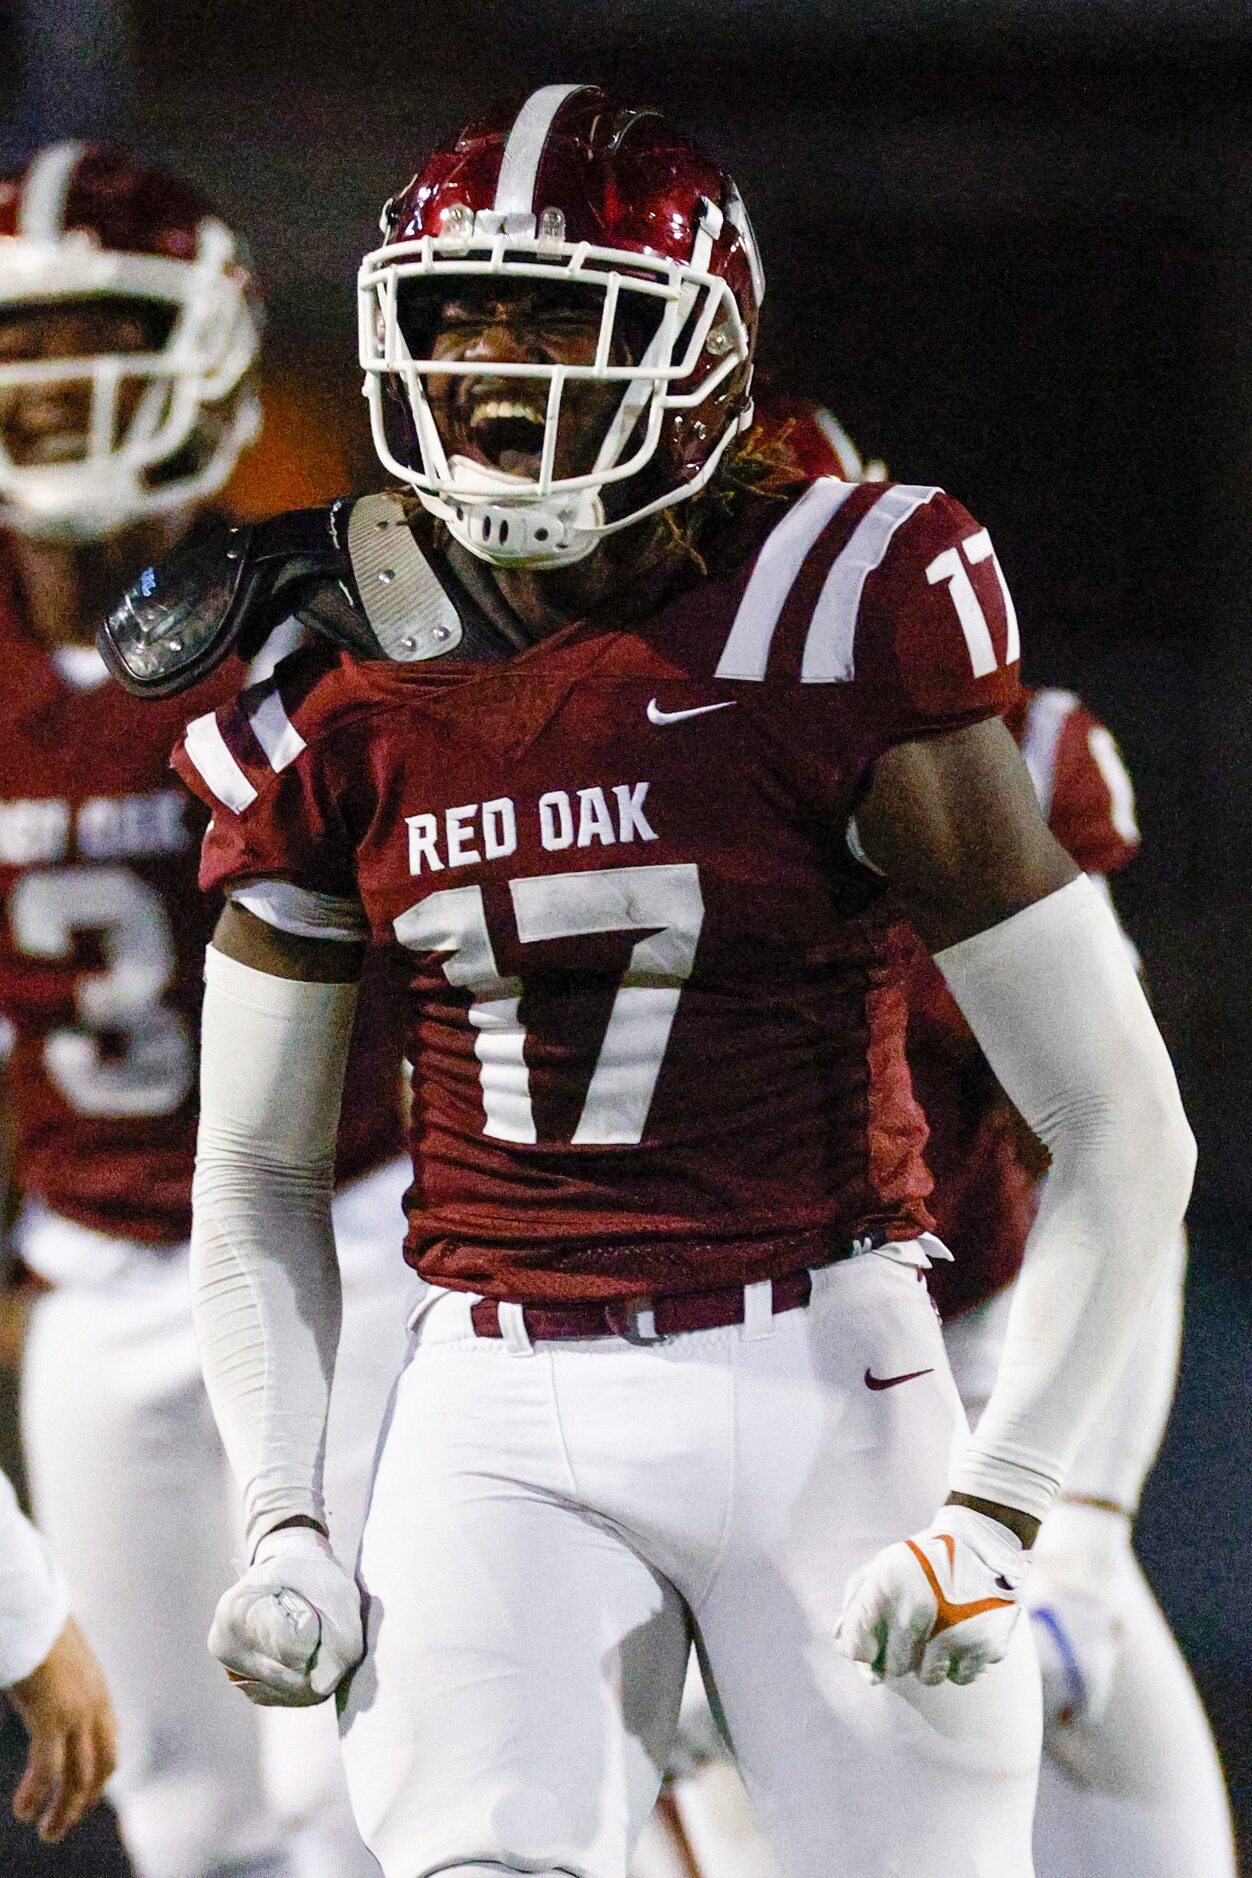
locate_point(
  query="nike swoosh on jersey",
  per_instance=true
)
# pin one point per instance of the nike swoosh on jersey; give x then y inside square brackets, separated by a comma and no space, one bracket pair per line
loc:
[890,1382]
[657,716]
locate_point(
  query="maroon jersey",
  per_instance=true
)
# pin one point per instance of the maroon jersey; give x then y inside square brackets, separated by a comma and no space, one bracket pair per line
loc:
[985,1163]
[102,937]
[657,1011]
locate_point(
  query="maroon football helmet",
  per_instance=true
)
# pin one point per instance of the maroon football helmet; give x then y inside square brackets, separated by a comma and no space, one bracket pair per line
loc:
[608,202]
[80,224]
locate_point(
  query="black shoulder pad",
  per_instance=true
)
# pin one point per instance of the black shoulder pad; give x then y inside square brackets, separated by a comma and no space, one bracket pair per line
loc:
[351,572]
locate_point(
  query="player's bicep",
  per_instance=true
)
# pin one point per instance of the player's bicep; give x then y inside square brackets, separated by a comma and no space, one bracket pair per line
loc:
[954,824]
[241,936]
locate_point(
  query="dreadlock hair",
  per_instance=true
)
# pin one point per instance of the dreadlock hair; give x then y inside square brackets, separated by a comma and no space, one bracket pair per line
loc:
[762,466]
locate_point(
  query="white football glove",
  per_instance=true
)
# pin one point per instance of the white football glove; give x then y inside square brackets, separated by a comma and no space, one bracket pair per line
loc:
[941,1604]
[289,1630]
[1080,1556]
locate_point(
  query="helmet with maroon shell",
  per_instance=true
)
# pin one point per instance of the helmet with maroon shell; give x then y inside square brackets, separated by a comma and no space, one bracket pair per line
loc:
[79,224]
[574,189]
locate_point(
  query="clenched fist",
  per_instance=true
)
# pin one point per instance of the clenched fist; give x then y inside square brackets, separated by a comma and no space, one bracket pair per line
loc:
[941,1605]
[290,1630]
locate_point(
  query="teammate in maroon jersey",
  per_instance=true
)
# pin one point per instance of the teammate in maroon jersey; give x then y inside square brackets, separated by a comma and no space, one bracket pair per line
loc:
[128,334]
[1130,1783]
[679,1370]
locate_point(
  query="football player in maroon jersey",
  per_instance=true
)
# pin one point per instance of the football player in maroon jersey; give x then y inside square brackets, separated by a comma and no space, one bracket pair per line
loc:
[1131,1782]
[679,1371]
[128,334]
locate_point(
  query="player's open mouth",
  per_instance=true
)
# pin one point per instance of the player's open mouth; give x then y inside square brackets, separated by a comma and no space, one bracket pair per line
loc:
[508,434]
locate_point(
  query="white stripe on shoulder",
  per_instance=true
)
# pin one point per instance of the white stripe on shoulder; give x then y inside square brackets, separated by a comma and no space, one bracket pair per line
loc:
[830,646]
[273,729]
[1108,760]
[746,653]
[523,149]
[45,191]
[207,749]
[846,452]
[301,911]
[1046,716]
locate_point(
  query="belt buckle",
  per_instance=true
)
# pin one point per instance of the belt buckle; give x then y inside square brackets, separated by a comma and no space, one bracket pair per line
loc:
[635,1320]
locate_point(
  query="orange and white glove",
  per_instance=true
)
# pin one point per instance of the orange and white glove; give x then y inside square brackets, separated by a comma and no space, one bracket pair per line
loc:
[941,1605]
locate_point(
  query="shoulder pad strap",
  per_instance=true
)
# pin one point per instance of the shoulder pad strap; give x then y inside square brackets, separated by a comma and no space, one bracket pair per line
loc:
[416,607]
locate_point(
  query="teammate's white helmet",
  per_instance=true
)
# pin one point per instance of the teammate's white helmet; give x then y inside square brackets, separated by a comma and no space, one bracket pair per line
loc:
[165,426]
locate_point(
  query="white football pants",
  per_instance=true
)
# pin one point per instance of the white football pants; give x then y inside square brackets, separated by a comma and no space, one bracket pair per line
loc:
[1138,1793]
[545,1522]
[132,1489]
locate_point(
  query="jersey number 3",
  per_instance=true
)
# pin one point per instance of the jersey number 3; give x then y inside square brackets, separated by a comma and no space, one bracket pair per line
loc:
[664,901]
[153,1066]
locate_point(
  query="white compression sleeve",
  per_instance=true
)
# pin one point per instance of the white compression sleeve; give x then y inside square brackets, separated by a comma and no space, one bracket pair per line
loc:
[1055,1004]
[1122,1442]
[33,1602]
[265,1282]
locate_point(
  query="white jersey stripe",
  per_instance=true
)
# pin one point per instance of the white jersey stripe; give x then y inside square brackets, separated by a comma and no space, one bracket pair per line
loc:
[207,748]
[1108,760]
[523,149]
[829,648]
[846,452]
[746,653]
[45,191]
[1046,717]
[274,730]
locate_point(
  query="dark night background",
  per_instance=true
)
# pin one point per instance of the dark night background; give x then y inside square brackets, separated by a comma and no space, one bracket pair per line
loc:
[1011,246]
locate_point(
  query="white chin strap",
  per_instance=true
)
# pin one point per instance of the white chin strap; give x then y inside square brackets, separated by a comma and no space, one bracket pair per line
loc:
[546,531]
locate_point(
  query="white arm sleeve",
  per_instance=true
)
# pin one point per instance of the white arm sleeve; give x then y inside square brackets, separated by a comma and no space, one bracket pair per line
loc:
[265,1283]
[1121,1444]
[1055,1004]
[33,1602]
